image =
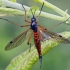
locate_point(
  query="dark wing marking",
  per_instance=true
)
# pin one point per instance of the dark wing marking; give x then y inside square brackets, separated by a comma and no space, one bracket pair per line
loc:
[16,41]
[56,36]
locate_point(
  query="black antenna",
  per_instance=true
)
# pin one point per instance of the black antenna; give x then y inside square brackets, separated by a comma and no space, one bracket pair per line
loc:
[34,11]
[25,11]
[40,11]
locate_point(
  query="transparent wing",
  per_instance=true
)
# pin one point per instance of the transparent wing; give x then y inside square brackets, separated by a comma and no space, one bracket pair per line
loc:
[56,36]
[17,41]
[44,36]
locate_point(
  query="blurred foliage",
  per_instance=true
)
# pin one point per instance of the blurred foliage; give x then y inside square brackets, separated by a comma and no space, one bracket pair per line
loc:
[13,0]
[57,59]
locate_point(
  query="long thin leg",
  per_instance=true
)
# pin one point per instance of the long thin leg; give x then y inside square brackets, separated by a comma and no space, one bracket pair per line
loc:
[25,25]
[15,23]
[29,40]
[42,27]
[58,24]
[54,25]
[25,15]
[11,22]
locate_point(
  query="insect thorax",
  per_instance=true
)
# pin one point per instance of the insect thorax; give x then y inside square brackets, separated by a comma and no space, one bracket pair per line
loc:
[34,26]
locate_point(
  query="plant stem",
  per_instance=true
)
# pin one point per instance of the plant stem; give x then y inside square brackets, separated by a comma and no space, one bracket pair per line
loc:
[18,10]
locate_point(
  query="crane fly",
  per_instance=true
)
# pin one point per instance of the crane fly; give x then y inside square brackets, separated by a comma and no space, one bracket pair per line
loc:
[37,31]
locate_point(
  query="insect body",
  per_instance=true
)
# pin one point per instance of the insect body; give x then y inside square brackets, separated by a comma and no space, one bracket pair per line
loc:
[38,46]
[37,42]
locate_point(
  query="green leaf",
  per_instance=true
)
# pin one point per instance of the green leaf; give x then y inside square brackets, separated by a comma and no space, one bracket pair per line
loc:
[66,10]
[38,0]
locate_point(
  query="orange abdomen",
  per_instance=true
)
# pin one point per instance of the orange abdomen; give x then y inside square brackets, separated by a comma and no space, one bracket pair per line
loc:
[37,42]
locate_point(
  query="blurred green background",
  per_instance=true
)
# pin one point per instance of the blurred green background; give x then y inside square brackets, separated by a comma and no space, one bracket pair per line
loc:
[57,58]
